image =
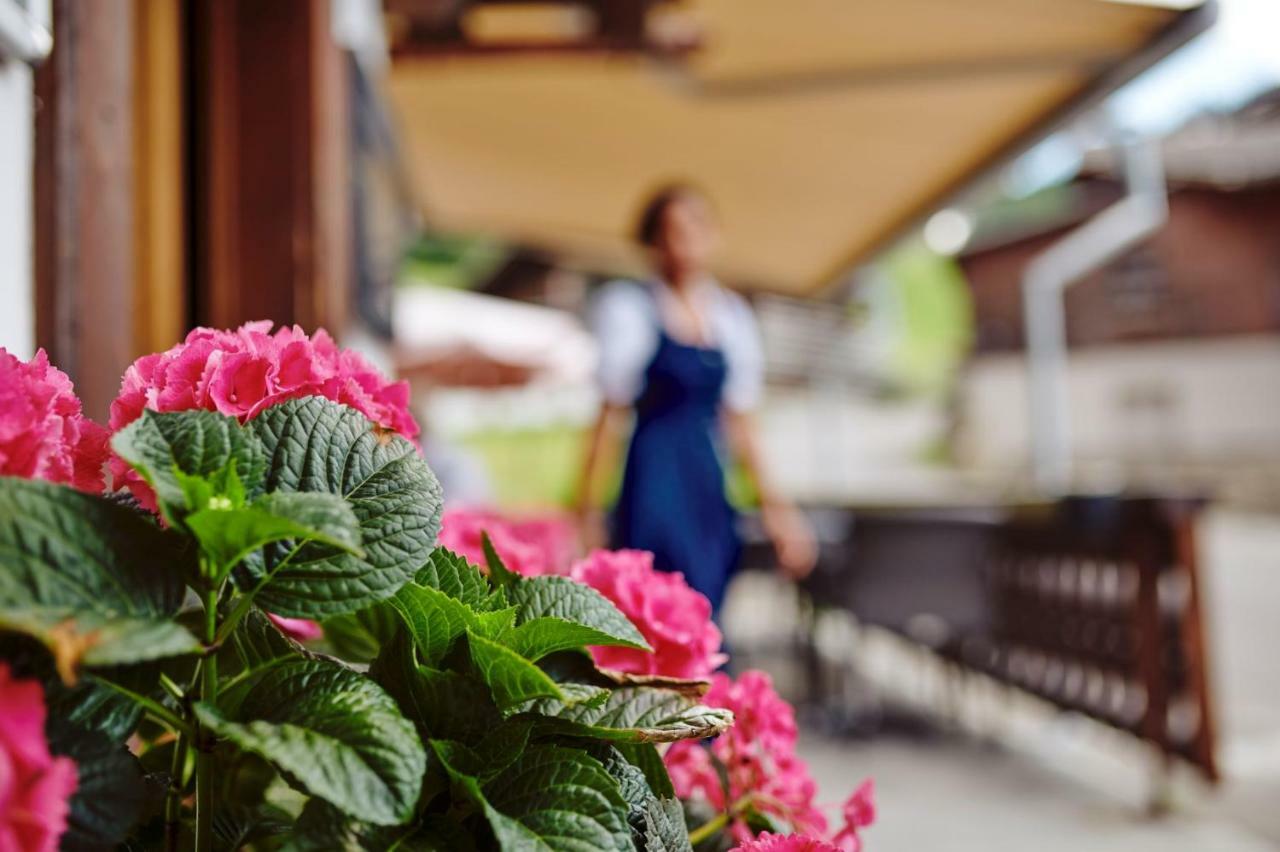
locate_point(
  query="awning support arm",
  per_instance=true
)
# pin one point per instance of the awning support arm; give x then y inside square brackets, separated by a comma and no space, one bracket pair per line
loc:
[1138,215]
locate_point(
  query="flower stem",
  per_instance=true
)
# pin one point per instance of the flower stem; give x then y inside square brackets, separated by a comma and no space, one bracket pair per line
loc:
[708,828]
[204,743]
[173,799]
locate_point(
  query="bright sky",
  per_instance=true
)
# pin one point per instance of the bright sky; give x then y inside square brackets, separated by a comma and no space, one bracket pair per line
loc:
[1235,60]
[1220,69]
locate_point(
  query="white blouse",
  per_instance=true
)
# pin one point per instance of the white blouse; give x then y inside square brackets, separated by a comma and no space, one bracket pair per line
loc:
[627,320]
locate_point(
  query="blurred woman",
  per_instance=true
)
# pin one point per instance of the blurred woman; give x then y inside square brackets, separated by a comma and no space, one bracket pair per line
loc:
[682,354]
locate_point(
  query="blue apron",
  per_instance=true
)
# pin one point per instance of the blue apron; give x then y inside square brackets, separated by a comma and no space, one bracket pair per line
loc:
[672,500]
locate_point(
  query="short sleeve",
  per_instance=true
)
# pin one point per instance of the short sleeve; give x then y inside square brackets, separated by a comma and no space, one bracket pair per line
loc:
[625,328]
[739,336]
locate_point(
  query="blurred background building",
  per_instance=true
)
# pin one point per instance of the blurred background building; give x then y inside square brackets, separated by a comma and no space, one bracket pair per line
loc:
[445,182]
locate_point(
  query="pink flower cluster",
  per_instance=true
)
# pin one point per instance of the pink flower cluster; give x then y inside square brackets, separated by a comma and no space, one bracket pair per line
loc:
[243,372]
[43,434]
[767,842]
[758,757]
[35,787]
[673,617]
[531,546]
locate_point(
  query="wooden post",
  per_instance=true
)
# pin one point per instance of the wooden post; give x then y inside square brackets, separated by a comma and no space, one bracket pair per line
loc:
[272,205]
[85,310]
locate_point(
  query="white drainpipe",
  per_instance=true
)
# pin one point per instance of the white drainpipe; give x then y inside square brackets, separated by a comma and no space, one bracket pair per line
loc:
[1138,215]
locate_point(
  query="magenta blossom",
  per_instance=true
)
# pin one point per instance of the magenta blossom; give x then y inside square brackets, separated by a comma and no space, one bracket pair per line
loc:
[43,434]
[673,617]
[757,756]
[531,546]
[767,842]
[301,629]
[35,787]
[859,811]
[243,372]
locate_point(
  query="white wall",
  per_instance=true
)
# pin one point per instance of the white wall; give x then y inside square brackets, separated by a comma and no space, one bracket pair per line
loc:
[17,301]
[1160,405]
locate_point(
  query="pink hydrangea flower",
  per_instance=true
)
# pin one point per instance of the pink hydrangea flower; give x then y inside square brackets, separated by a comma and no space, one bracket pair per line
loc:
[673,617]
[758,756]
[532,546]
[859,811]
[301,629]
[767,842]
[243,372]
[43,434]
[35,787]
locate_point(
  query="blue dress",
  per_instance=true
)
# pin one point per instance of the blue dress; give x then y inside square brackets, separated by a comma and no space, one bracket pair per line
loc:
[673,500]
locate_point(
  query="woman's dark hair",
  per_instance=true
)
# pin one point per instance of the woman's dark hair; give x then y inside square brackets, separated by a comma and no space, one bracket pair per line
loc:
[648,226]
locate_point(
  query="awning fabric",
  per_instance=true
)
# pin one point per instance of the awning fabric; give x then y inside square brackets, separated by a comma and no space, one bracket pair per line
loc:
[821,128]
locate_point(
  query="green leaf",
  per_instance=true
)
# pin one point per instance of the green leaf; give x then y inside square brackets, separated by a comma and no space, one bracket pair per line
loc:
[557,799]
[229,535]
[498,570]
[443,704]
[460,580]
[335,734]
[358,637]
[539,637]
[323,828]
[435,620]
[560,597]
[664,828]
[314,445]
[61,548]
[86,638]
[635,714]
[204,444]
[513,679]
[238,826]
[111,794]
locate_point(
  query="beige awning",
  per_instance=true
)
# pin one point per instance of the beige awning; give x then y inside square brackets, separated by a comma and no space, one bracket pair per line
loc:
[822,128]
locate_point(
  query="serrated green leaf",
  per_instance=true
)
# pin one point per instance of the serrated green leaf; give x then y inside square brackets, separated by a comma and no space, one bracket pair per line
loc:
[664,827]
[635,714]
[539,637]
[512,679]
[582,693]
[459,579]
[62,548]
[498,570]
[197,443]
[560,597]
[631,781]
[557,799]
[645,757]
[314,445]
[229,535]
[86,638]
[255,648]
[443,704]
[435,620]
[335,734]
